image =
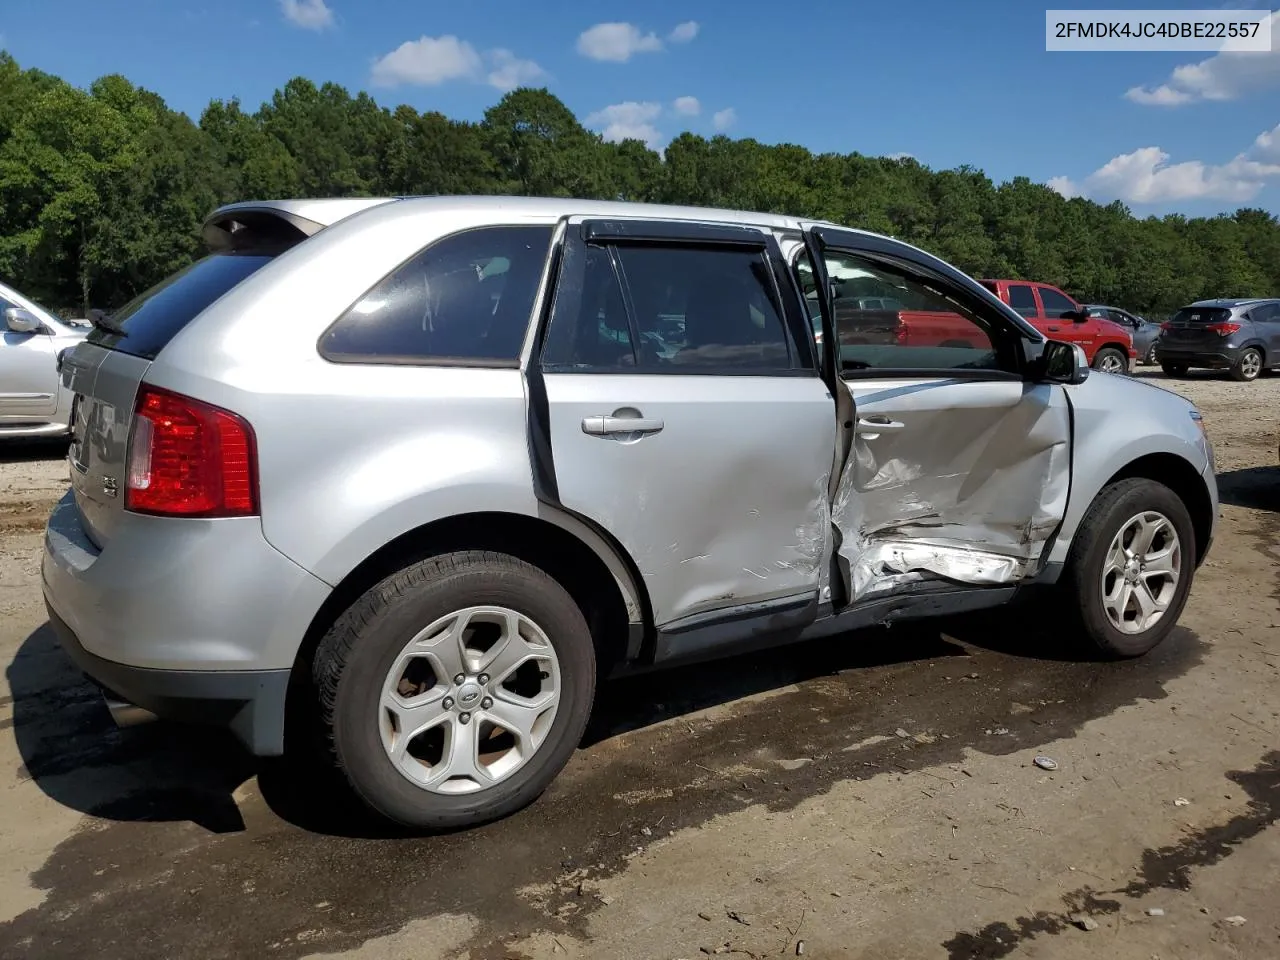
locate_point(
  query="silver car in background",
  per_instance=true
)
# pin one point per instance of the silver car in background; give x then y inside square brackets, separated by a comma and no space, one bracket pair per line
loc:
[421,471]
[1143,330]
[33,402]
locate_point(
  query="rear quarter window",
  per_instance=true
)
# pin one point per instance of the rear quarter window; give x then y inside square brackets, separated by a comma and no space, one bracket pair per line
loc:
[150,320]
[466,299]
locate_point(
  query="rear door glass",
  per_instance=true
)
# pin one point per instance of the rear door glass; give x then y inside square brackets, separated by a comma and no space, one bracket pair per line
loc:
[149,321]
[1022,299]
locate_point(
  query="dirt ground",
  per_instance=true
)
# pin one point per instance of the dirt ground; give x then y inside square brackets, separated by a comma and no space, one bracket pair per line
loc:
[868,796]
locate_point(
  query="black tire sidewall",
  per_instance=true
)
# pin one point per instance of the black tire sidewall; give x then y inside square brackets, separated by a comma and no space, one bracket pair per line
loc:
[358,744]
[1127,499]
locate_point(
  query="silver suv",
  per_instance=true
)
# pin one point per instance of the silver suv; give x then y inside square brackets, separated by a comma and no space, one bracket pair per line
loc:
[432,466]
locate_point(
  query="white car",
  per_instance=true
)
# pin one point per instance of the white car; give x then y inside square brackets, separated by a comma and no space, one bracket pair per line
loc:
[33,402]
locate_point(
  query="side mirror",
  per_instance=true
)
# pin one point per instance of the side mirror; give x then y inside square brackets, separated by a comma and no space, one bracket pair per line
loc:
[1061,362]
[1076,316]
[19,320]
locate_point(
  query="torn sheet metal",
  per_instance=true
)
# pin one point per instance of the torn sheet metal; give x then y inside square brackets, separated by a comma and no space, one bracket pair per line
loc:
[969,488]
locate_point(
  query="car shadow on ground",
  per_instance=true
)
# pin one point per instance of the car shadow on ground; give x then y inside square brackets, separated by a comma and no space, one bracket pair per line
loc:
[29,451]
[1255,487]
[164,772]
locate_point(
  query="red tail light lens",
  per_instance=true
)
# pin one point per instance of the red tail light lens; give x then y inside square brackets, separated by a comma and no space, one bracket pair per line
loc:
[1223,329]
[1166,326]
[189,459]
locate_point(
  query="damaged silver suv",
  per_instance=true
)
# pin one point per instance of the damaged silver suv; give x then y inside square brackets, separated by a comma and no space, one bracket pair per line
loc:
[424,469]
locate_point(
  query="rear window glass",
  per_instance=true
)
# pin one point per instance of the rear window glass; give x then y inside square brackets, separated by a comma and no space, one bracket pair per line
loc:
[1201,315]
[150,320]
[1022,299]
[465,299]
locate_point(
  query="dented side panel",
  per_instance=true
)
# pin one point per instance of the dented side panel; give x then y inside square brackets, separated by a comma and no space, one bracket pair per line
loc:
[727,504]
[966,482]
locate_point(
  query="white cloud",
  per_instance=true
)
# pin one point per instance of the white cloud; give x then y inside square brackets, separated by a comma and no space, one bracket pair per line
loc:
[631,120]
[686,106]
[684,32]
[507,71]
[616,42]
[427,61]
[724,119]
[901,156]
[1147,176]
[1228,75]
[308,14]
[1064,185]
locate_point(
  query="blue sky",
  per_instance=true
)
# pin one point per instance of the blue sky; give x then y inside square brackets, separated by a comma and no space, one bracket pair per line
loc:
[949,83]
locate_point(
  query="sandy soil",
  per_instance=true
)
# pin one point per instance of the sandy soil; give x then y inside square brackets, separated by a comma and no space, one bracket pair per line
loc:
[871,796]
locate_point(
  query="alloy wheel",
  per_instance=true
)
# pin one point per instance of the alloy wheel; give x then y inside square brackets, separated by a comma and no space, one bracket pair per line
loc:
[1141,572]
[469,700]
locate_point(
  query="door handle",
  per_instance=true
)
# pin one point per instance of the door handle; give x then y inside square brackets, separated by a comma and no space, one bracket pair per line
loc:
[613,426]
[873,427]
[1054,329]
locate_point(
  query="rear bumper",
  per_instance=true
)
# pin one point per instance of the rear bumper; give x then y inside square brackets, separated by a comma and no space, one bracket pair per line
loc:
[190,619]
[1215,359]
[178,594]
[251,704]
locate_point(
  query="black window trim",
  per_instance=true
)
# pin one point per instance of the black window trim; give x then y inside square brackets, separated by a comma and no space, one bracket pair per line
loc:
[895,256]
[615,233]
[413,360]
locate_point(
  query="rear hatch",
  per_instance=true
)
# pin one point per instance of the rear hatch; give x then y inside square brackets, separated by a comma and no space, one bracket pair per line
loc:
[105,371]
[1193,327]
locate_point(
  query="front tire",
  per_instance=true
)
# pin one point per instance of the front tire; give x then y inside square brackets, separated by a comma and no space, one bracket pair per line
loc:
[455,690]
[1110,360]
[1248,365]
[1130,568]
[1150,359]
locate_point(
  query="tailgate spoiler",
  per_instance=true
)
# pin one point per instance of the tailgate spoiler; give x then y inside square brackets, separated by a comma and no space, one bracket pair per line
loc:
[272,222]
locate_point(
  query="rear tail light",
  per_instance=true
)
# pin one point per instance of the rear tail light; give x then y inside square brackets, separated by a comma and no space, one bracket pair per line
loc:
[189,459]
[1166,326]
[1223,329]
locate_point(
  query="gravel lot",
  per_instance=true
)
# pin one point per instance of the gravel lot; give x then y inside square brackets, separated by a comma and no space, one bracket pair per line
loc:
[872,796]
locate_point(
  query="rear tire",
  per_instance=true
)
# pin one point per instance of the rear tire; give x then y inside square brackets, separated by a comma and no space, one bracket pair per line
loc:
[379,654]
[1174,369]
[1110,360]
[1096,602]
[1248,365]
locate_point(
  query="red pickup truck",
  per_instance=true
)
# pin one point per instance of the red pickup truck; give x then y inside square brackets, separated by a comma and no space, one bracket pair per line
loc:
[869,311]
[1108,345]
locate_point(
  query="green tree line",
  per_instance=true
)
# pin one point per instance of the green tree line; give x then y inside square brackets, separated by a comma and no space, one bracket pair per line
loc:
[102,191]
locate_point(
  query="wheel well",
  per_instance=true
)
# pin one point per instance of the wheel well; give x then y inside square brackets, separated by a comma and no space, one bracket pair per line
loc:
[1120,347]
[549,547]
[1183,479]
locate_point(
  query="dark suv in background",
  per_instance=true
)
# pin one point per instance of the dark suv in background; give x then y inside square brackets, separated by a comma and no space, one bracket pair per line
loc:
[1241,336]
